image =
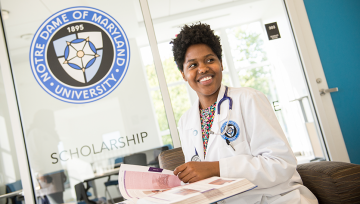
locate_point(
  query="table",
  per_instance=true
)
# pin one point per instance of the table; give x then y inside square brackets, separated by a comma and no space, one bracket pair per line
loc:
[97,176]
[104,174]
[12,194]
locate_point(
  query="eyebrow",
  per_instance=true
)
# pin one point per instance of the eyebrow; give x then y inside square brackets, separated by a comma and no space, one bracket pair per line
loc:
[191,60]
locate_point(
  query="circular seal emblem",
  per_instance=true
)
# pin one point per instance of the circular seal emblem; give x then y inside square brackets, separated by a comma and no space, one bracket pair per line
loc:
[79,55]
[232,131]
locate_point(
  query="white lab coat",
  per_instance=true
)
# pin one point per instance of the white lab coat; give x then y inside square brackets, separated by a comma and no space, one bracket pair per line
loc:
[262,154]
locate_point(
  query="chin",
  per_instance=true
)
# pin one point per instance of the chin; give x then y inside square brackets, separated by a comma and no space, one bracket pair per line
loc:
[210,91]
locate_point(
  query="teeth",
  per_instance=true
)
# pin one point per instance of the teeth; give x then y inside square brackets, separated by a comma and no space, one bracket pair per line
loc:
[206,78]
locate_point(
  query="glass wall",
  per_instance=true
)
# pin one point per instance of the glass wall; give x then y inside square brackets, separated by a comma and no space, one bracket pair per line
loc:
[250,59]
[10,180]
[74,142]
[70,141]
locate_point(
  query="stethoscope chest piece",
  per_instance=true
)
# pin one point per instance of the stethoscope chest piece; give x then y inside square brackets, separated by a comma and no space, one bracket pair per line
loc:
[195,158]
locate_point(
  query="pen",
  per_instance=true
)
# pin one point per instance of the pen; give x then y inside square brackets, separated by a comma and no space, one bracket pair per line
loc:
[229,143]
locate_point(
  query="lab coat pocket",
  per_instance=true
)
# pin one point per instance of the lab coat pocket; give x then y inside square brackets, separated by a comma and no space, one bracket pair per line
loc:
[241,148]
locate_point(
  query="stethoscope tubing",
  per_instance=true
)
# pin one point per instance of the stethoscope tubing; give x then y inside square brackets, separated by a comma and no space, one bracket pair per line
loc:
[224,98]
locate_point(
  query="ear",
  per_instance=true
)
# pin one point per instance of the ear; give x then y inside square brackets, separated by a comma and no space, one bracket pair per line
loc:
[222,68]
[183,75]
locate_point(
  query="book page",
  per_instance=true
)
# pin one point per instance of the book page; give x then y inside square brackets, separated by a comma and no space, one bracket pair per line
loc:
[205,191]
[149,181]
[139,181]
[141,184]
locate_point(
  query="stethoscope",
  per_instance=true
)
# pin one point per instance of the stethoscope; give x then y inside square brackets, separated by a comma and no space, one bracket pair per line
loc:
[224,98]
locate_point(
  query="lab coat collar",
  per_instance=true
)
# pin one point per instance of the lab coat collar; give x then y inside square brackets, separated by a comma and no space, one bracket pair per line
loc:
[224,110]
[194,126]
[194,113]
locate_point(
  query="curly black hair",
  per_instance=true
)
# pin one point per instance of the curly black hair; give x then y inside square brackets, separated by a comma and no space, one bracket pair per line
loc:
[199,33]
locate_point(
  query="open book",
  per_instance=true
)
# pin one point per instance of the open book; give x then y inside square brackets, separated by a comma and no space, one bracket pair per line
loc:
[141,184]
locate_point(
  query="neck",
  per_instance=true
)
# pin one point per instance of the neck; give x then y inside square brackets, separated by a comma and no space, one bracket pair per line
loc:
[207,101]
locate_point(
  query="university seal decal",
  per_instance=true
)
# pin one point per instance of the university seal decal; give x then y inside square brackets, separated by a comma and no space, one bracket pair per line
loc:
[232,131]
[79,55]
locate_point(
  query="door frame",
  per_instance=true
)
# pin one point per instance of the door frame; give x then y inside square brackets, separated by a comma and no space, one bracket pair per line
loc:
[313,70]
[15,119]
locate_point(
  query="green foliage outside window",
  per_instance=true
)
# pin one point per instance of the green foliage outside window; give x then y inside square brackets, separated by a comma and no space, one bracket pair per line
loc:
[172,73]
[249,50]
[178,94]
[249,46]
[166,139]
[256,78]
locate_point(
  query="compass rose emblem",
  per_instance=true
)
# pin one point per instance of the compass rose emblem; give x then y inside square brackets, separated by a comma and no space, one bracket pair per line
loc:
[80,54]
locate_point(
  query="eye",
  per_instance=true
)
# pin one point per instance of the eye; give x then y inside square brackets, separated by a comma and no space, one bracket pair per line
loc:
[210,60]
[192,65]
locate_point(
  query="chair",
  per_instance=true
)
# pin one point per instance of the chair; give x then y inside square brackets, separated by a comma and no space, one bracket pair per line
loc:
[170,159]
[156,152]
[12,187]
[118,162]
[136,159]
[331,182]
[82,195]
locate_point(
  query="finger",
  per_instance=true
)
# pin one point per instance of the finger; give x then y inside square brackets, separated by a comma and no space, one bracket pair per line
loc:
[184,173]
[194,179]
[188,177]
[180,169]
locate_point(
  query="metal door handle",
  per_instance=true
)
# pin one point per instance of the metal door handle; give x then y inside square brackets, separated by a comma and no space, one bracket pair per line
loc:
[324,91]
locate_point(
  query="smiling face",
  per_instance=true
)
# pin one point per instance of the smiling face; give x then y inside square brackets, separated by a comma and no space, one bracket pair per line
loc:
[202,69]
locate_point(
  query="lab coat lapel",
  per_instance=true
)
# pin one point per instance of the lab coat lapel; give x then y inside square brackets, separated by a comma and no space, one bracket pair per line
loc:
[224,110]
[193,127]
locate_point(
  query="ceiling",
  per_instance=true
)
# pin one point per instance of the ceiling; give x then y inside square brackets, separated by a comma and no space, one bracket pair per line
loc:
[168,15]
[26,16]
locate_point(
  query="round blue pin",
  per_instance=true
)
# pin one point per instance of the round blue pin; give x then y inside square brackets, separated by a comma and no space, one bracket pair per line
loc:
[195,132]
[232,131]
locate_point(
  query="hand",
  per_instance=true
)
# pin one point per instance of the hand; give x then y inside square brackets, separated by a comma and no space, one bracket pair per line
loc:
[195,171]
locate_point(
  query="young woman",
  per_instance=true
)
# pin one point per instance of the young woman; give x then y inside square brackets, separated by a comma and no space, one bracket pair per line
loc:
[232,131]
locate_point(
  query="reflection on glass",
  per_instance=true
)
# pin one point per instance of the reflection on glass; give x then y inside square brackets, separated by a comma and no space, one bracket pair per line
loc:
[49,179]
[72,146]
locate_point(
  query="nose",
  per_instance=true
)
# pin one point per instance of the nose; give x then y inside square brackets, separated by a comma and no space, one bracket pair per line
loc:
[202,68]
